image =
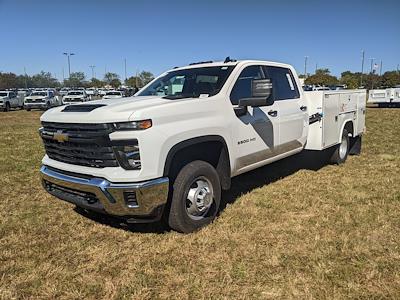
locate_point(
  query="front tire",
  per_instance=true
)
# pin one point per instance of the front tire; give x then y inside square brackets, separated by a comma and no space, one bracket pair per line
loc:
[196,197]
[341,150]
[7,107]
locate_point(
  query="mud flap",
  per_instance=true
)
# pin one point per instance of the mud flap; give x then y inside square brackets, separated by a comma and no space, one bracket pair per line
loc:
[355,145]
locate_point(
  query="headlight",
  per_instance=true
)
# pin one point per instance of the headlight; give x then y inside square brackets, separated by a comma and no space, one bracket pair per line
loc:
[136,125]
[128,155]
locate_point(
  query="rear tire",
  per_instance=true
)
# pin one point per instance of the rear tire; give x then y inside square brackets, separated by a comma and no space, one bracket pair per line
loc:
[341,152]
[196,197]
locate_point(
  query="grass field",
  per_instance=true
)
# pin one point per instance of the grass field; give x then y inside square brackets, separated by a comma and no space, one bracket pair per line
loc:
[293,229]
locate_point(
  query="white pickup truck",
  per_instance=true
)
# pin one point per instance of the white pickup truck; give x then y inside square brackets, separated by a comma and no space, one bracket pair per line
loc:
[170,150]
[10,99]
[42,99]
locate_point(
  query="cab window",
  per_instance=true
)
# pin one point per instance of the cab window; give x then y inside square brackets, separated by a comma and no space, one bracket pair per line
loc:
[242,87]
[283,83]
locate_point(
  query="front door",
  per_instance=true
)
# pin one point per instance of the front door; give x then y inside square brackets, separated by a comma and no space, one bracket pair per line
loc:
[255,132]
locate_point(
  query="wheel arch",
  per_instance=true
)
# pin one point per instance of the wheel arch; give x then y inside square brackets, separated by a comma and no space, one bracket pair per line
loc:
[210,148]
[349,126]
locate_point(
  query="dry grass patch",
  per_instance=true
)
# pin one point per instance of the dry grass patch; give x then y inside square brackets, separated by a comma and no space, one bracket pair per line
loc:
[294,229]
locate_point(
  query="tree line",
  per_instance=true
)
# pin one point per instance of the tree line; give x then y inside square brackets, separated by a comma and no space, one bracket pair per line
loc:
[77,79]
[354,80]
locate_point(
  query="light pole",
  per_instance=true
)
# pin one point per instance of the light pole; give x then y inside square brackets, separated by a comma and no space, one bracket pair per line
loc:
[26,84]
[397,68]
[92,67]
[362,67]
[69,54]
[372,62]
[125,67]
[305,66]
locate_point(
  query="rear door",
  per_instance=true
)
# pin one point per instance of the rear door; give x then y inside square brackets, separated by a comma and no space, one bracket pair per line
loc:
[291,107]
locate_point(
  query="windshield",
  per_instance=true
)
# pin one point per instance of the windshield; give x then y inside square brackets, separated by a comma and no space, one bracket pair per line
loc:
[39,94]
[2,94]
[189,83]
[114,93]
[75,93]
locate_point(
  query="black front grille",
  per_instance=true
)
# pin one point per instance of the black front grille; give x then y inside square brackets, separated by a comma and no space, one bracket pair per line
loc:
[79,144]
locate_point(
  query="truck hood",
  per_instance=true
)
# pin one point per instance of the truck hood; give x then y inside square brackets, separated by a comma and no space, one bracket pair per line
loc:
[35,98]
[74,96]
[109,110]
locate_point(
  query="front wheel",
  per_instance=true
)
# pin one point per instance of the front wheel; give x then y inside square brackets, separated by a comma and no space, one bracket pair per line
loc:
[7,107]
[196,197]
[342,150]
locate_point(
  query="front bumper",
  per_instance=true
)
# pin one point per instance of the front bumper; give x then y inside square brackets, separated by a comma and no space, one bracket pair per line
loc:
[35,105]
[140,202]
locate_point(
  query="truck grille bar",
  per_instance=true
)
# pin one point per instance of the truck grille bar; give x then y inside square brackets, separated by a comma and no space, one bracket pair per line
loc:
[79,144]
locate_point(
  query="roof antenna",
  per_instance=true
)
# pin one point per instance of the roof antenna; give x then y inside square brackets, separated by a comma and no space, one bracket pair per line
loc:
[228,59]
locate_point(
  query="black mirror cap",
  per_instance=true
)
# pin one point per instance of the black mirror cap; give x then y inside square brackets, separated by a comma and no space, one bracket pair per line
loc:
[261,92]
[254,102]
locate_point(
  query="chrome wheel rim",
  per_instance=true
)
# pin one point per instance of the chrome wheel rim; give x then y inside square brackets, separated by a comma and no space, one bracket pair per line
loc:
[199,198]
[343,148]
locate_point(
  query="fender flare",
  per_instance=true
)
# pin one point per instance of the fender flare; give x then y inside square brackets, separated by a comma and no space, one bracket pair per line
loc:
[224,166]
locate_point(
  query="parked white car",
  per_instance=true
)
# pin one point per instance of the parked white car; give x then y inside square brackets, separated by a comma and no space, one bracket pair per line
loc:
[44,99]
[113,95]
[10,99]
[171,149]
[75,96]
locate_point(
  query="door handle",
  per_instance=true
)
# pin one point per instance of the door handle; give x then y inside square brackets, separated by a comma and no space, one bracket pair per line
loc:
[273,113]
[303,108]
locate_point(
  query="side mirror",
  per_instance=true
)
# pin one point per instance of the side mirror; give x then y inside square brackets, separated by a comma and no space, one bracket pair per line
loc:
[261,91]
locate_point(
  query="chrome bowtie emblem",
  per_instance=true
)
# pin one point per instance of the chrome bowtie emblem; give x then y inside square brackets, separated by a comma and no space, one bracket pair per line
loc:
[60,137]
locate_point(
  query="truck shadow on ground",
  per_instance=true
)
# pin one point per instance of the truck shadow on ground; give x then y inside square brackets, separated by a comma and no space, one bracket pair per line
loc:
[306,160]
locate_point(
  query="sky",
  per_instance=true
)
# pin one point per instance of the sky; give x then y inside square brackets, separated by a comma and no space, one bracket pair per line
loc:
[158,35]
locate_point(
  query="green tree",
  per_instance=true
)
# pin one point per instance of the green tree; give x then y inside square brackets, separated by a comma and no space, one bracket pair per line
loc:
[391,79]
[96,83]
[145,77]
[76,80]
[134,81]
[44,79]
[8,80]
[115,83]
[109,76]
[350,79]
[322,77]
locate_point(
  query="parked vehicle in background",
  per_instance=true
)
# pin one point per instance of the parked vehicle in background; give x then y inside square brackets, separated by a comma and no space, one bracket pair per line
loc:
[9,100]
[44,99]
[113,95]
[75,96]
[171,149]
[320,88]
[385,97]
[64,91]
[92,92]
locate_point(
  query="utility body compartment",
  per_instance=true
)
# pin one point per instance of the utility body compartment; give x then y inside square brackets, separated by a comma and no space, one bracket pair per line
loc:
[331,110]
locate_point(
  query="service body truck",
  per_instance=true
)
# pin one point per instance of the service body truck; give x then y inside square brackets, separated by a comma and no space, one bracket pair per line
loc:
[385,97]
[170,150]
